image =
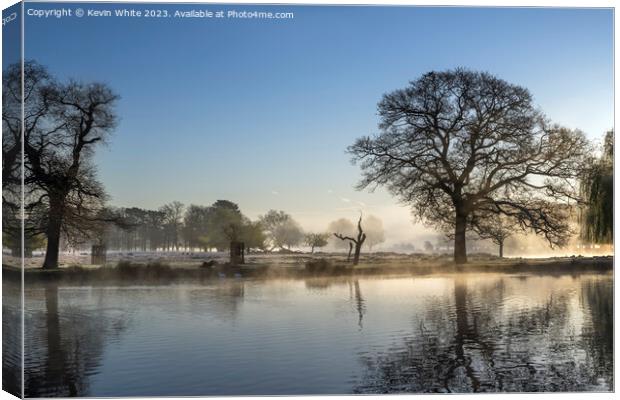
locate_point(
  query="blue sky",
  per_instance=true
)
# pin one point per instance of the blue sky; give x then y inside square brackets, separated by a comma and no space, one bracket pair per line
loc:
[261,111]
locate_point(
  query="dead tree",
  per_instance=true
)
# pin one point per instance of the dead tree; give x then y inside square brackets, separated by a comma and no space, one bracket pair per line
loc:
[358,242]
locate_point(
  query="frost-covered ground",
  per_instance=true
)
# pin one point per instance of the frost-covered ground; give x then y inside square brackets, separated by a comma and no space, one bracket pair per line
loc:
[282,260]
[196,259]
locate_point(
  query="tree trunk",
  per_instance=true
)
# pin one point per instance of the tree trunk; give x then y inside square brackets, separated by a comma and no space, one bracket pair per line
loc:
[16,249]
[356,256]
[53,236]
[501,250]
[350,250]
[460,249]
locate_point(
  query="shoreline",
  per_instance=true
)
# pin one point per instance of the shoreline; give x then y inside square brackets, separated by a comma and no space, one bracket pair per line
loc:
[161,272]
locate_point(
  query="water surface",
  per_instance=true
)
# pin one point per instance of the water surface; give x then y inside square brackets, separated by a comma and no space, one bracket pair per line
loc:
[445,333]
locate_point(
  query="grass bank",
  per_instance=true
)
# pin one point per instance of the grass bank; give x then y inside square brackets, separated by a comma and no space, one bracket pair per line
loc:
[161,273]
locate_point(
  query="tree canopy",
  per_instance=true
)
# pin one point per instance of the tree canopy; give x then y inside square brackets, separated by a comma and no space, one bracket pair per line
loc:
[458,143]
[597,189]
[63,123]
[281,229]
[314,240]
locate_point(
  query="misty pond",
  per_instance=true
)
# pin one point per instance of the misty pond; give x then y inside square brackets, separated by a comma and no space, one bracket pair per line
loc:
[436,333]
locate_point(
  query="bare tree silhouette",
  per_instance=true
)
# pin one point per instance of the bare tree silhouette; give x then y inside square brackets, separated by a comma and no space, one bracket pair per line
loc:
[458,142]
[496,228]
[63,124]
[358,241]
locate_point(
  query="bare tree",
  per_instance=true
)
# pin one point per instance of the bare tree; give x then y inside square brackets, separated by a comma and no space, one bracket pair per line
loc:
[173,221]
[313,240]
[253,235]
[459,142]
[63,124]
[357,241]
[195,225]
[496,228]
[35,80]
[282,230]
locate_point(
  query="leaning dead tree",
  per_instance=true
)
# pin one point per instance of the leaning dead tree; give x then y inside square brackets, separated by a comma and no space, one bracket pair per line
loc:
[356,242]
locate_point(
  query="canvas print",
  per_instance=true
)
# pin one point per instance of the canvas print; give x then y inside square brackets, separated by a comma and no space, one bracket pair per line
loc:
[252,199]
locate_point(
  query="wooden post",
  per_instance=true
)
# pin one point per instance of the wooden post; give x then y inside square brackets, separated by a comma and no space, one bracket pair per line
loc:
[237,252]
[98,254]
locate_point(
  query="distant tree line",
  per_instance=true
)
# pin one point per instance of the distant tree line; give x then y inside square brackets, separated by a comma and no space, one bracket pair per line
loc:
[175,227]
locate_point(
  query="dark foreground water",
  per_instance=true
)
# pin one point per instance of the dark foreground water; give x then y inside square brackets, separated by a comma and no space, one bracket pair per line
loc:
[488,332]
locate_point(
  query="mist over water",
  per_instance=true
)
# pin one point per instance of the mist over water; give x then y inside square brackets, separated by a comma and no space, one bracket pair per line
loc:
[436,333]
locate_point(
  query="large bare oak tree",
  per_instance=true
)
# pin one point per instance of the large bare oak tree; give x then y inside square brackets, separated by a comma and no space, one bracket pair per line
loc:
[62,125]
[461,143]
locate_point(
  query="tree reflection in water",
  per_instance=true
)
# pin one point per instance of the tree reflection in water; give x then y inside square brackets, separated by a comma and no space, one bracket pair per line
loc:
[356,299]
[598,335]
[223,298]
[484,345]
[73,341]
[65,341]
[476,333]
[360,303]
[11,336]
